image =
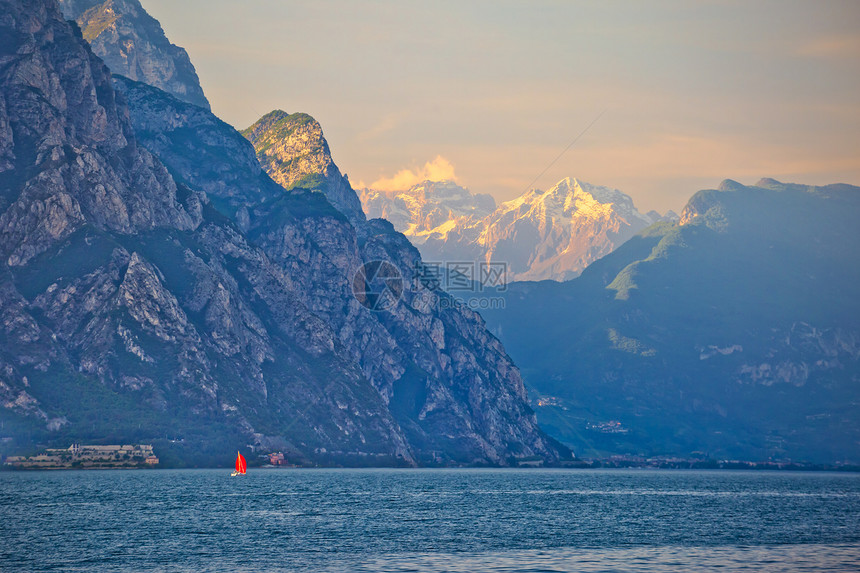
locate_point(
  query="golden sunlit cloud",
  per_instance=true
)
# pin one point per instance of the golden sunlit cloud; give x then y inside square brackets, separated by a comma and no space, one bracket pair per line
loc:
[440,169]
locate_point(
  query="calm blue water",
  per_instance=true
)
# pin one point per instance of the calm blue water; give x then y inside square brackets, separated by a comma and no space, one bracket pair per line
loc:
[429,520]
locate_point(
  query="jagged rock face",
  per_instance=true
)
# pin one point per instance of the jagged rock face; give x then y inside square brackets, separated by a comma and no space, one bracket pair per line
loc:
[556,234]
[208,303]
[70,154]
[210,155]
[292,150]
[448,382]
[129,315]
[132,44]
[541,235]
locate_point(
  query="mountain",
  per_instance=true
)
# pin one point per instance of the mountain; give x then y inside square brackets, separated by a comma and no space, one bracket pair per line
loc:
[132,44]
[158,286]
[428,210]
[433,361]
[132,309]
[293,151]
[450,386]
[551,234]
[209,154]
[557,233]
[735,333]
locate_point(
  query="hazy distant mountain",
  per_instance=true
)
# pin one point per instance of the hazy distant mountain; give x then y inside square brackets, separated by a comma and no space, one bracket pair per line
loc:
[735,333]
[132,44]
[551,234]
[157,285]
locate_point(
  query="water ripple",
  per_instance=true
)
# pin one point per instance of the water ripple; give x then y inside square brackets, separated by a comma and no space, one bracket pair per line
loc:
[429,520]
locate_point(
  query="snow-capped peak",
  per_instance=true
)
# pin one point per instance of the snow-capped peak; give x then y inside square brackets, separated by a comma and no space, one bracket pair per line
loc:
[428,209]
[552,234]
[572,198]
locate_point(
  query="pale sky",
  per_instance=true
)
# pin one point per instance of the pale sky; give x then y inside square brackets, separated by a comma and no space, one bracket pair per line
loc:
[491,91]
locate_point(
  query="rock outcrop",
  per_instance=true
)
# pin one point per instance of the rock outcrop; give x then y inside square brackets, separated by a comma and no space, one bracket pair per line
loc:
[132,44]
[292,150]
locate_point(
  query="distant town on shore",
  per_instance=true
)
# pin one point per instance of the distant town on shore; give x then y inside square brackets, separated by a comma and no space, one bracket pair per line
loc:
[142,456]
[77,456]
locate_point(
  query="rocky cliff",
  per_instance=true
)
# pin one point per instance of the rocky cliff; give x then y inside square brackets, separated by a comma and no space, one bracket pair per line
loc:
[69,155]
[132,44]
[445,378]
[136,310]
[158,285]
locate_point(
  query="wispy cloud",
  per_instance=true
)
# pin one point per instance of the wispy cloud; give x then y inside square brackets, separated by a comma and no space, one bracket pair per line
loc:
[832,47]
[389,122]
[440,169]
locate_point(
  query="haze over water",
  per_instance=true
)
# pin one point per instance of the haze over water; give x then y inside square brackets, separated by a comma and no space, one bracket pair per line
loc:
[429,520]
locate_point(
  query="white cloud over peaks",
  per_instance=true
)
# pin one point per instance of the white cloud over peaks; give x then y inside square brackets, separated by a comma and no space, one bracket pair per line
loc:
[440,169]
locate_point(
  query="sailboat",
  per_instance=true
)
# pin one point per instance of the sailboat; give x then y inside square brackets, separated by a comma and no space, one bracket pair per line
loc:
[241,466]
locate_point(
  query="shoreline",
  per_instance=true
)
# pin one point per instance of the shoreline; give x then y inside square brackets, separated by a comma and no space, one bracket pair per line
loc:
[829,469]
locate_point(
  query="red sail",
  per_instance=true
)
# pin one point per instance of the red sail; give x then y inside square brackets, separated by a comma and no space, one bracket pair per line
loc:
[241,467]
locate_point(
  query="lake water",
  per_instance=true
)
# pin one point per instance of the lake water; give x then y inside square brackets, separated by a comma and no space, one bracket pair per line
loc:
[429,520]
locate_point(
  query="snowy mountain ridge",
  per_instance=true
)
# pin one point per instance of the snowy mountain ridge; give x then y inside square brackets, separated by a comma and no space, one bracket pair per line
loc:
[552,234]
